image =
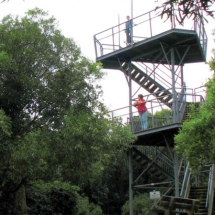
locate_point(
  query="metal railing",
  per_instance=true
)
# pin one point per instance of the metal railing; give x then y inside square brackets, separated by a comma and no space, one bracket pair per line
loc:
[210,191]
[145,26]
[161,158]
[159,73]
[159,114]
[186,182]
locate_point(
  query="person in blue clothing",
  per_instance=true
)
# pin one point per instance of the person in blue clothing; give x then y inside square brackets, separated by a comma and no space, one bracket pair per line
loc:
[128,30]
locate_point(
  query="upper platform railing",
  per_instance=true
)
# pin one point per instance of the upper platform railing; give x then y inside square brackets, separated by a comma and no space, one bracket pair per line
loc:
[145,26]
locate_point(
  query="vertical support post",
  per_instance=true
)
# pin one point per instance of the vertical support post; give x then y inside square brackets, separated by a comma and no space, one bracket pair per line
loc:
[130,182]
[182,75]
[174,93]
[131,9]
[130,150]
[119,29]
[94,37]
[152,117]
[113,39]
[130,97]
[131,33]
[150,22]
[176,174]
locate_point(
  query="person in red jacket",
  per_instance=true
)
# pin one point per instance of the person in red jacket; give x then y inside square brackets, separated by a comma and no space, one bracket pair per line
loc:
[140,104]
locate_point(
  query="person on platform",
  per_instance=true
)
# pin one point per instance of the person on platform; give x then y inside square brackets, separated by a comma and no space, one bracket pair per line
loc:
[128,30]
[140,104]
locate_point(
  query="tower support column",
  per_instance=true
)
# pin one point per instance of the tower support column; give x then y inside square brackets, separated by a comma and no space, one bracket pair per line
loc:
[130,182]
[174,93]
[176,174]
[130,167]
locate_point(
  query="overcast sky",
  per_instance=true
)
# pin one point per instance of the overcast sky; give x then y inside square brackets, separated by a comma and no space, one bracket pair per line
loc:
[81,19]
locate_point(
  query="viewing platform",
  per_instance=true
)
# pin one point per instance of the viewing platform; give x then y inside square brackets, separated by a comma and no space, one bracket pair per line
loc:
[152,37]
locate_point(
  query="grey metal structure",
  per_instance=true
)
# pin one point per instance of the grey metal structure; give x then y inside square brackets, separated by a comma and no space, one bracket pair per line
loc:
[154,62]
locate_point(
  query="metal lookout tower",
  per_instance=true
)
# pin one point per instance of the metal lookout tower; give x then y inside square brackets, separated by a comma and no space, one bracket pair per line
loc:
[153,62]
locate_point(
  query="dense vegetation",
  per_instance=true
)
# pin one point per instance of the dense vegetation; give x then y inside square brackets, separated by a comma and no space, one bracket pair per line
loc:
[58,148]
[195,140]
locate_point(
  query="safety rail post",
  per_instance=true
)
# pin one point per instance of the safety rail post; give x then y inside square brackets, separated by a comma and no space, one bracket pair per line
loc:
[130,98]
[150,23]
[185,183]
[210,192]
[95,45]
[195,23]
[113,39]
[119,30]
[176,174]
[152,111]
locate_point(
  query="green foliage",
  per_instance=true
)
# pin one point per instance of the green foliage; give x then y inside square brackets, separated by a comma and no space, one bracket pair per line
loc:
[7,202]
[160,118]
[53,127]
[87,208]
[88,143]
[163,117]
[141,204]
[58,198]
[163,113]
[212,64]
[110,189]
[196,140]
[43,76]
[5,126]
[187,9]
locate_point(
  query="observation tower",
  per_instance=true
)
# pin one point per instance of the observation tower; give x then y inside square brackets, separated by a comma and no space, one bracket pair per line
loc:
[153,63]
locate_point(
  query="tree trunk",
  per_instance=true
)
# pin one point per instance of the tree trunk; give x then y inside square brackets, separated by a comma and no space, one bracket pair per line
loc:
[20,201]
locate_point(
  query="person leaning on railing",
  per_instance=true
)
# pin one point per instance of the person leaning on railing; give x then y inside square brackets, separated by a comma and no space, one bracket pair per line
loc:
[140,104]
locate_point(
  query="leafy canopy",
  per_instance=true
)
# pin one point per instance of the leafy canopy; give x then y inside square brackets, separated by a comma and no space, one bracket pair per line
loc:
[196,139]
[187,9]
[52,122]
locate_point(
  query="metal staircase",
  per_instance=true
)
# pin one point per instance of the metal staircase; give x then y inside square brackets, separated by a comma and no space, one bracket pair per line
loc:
[149,80]
[161,169]
[159,165]
[199,193]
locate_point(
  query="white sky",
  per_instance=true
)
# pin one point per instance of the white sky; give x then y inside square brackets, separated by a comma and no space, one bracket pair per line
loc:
[82,19]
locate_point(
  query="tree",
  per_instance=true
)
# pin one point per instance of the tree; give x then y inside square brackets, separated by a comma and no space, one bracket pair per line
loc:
[212,61]
[187,9]
[195,140]
[53,125]
[59,198]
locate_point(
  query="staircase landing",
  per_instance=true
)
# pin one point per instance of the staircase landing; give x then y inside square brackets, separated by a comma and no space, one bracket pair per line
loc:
[155,136]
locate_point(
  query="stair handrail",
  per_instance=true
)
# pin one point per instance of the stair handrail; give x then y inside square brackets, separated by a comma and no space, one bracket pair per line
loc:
[162,159]
[182,102]
[153,151]
[186,182]
[210,192]
[182,96]
[162,80]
